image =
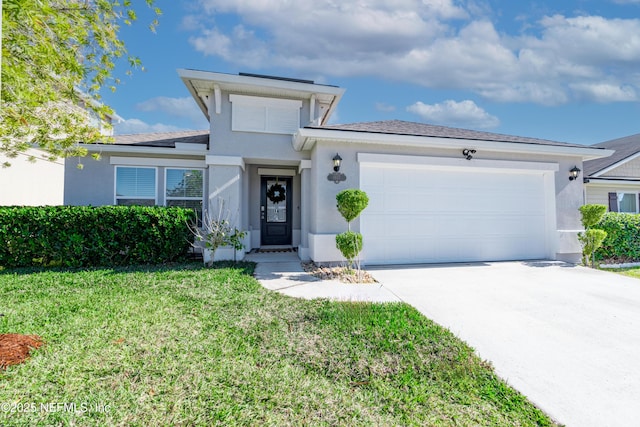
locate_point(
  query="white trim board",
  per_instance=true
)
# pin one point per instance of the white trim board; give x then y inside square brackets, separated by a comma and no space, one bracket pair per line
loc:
[150,161]
[276,172]
[507,166]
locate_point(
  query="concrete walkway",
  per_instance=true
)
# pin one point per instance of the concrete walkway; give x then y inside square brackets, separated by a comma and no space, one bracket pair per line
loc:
[283,273]
[567,337]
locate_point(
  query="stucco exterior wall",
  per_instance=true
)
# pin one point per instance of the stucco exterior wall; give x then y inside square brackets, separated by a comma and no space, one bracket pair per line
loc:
[94,184]
[252,146]
[91,185]
[31,184]
[325,220]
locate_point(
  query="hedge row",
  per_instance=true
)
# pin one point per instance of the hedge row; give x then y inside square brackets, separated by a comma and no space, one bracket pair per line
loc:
[623,237]
[84,236]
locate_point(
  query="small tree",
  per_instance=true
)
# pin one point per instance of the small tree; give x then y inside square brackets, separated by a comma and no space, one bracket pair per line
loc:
[216,231]
[591,239]
[350,203]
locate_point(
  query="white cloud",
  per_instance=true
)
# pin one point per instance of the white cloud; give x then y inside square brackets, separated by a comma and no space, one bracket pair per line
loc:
[443,44]
[138,126]
[464,113]
[184,107]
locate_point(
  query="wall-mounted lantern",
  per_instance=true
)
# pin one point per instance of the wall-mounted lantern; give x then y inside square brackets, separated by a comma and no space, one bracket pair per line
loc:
[574,173]
[336,176]
[337,161]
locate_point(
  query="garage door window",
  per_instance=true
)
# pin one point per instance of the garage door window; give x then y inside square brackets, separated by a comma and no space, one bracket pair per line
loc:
[135,186]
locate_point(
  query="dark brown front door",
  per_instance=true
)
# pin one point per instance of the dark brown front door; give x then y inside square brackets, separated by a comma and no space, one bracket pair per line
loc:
[275,211]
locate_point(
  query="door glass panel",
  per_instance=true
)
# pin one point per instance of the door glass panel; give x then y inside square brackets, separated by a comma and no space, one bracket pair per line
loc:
[276,201]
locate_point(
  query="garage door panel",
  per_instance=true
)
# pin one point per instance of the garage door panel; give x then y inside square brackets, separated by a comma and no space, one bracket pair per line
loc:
[423,215]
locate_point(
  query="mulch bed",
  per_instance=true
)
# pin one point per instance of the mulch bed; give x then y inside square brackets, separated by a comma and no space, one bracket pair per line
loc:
[342,274]
[16,348]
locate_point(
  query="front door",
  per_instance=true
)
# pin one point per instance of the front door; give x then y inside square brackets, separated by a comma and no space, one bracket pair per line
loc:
[275,211]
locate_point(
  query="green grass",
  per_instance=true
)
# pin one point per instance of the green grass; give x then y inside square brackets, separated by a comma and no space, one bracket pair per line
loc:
[631,272]
[183,345]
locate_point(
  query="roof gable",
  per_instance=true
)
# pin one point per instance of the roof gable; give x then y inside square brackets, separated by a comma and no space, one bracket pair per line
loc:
[626,149]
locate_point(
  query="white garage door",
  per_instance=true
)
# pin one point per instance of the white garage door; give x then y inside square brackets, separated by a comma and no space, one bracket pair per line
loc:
[431,215]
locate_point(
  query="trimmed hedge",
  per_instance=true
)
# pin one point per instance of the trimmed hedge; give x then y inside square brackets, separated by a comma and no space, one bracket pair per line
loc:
[623,237]
[85,236]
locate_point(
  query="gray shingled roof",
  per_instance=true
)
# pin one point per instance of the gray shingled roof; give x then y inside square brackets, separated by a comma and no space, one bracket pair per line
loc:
[400,127]
[164,139]
[625,147]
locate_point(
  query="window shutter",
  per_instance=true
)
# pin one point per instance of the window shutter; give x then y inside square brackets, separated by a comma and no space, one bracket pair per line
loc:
[613,202]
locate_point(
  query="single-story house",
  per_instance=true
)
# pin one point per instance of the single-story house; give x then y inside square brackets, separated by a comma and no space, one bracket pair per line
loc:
[615,180]
[437,194]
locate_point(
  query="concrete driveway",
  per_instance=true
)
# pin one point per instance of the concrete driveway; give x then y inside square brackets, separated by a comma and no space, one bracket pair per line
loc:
[567,337]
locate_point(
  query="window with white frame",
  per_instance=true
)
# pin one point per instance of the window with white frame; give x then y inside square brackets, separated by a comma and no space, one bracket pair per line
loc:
[136,186]
[628,202]
[185,188]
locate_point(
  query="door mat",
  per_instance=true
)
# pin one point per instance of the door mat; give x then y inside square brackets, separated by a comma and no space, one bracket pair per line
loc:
[273,250]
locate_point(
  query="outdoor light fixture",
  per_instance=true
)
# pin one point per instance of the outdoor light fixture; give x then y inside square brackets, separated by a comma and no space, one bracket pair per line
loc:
[573,173]
[468,154]
[336,176]
[336,162]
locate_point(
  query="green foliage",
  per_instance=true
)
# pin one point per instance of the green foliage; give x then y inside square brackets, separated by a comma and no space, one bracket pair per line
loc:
[592,214]
[184,345]
[623,237]
[217,230]
[351,202]
[56,57]
[81,236]
[350,244]
[591,240]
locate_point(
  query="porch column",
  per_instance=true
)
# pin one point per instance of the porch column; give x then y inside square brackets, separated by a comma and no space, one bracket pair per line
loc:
[226,187]
[305,208]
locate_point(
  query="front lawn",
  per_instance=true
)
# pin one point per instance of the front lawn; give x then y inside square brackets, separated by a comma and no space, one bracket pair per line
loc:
[631,272]
[184,345]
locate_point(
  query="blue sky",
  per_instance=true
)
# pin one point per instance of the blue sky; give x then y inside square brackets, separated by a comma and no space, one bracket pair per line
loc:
[554,69]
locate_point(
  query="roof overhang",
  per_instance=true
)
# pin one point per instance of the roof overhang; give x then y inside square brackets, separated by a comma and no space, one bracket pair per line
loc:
[205,85]
[305,139]
[615,165]
[142,149]
[608,182]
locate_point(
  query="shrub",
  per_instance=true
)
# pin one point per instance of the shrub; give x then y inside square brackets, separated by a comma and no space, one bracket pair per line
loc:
[623,237]
[84,236]
[351,202]
[591,239]
[350,244]
[592,214]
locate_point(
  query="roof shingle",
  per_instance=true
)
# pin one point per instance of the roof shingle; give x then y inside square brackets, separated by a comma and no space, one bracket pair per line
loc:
[400,127]
[164,139]
[625,147]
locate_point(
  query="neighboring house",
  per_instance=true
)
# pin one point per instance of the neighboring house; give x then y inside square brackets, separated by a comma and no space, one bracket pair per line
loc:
[437,194]
[34,180]
[615,181]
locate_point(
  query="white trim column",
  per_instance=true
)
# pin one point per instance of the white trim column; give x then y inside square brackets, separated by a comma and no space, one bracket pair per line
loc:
[226,178]
[305,208]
